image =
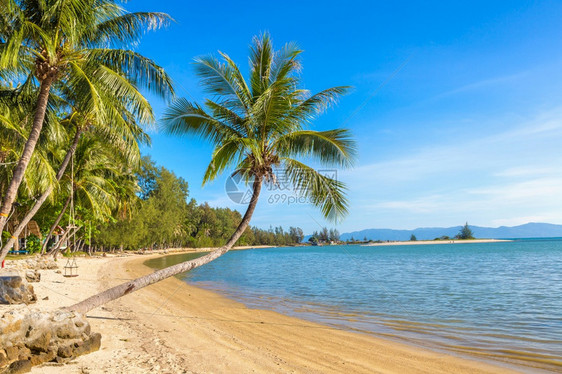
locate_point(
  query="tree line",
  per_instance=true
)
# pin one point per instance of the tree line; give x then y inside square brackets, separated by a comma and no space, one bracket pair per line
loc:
[165,218]
[325,236]
[159,215]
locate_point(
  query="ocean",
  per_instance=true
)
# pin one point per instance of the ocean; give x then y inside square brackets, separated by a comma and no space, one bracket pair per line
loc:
[499,301]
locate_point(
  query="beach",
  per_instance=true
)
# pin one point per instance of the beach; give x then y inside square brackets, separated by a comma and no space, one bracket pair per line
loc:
[172,327]
[431,242]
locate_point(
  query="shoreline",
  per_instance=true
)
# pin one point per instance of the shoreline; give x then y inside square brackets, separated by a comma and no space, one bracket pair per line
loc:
[173,327]
[429,242]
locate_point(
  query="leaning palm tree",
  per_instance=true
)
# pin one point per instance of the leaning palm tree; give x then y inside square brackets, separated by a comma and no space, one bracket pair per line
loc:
[70,44]
[122,110]
[15,106]
[257,127]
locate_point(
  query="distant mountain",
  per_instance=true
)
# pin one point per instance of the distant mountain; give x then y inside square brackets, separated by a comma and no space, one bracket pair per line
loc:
[528,230]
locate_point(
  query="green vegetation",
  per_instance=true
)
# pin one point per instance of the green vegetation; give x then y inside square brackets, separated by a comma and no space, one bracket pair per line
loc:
[413,238]
[465,233]
[70,65]
[326,236]
[260,125]
[74,167]
[163,218]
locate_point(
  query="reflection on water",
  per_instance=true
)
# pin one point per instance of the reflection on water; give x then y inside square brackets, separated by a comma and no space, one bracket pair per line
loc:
[499,300]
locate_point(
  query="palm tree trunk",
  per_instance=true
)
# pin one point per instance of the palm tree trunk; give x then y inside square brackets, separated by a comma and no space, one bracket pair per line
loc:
[43,196]
[57,221]
[136,284]
[28,149]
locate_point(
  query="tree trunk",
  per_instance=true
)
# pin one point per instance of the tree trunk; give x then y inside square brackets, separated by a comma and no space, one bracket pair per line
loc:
[78,246]
[65,236]
[136,284]
[28,149]
[43,196]
[54,226]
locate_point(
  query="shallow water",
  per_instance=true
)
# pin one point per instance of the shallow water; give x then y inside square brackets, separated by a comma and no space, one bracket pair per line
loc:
[499,300]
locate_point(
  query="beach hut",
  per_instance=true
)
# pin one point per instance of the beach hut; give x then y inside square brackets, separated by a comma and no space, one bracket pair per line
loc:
[32,228]
[58,234]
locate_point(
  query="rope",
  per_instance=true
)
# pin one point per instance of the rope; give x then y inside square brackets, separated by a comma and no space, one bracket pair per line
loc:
[71,217]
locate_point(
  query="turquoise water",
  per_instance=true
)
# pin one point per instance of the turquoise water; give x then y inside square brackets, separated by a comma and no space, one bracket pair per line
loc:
[498,300]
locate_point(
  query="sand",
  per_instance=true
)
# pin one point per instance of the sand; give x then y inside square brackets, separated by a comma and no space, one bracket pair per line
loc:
[428,242]
[172,327]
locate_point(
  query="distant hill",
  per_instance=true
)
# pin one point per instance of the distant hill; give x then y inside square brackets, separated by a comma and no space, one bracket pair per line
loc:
[528,230]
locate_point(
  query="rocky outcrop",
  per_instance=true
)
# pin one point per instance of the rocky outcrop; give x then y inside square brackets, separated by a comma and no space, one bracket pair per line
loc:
[44,262]
[34,263]
[30,337]
[14,289]
[33,275]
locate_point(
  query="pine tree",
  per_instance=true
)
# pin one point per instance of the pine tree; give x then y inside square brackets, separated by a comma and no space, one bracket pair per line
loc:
[465,233]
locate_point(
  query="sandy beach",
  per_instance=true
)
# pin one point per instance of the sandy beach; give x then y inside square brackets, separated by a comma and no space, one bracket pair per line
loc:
[428,242]
[172,327]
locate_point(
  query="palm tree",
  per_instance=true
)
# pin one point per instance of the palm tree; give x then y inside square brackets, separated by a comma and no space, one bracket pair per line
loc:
[122,131]
[69,45]
[89,183]
[256,127]
[15,106]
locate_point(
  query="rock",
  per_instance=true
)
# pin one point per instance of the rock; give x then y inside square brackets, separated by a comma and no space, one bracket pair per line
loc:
[21,366]
[40,343]
[15,290]
[36,263]
[10,325]
[46,263]
[24,353]
[91,345]
[32,337]
[3,358]
[43,357]
[12,353]
[33,275]
[65,351]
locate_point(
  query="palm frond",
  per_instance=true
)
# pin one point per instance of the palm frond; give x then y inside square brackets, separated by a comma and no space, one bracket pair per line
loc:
[183,117]
[324,192]
[140,70]
[261,58]
[224,156]
[332,147]
[222,80]
[285,62]
[121,90]
[318,103]
[128,28]
[226,115]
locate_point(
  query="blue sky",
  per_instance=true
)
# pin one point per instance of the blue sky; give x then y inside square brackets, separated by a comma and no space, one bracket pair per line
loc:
[469,129]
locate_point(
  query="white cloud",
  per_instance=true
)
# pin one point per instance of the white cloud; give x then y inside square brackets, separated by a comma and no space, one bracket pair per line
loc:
[484,83]
[543,190]
[528,171]
[509,176]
